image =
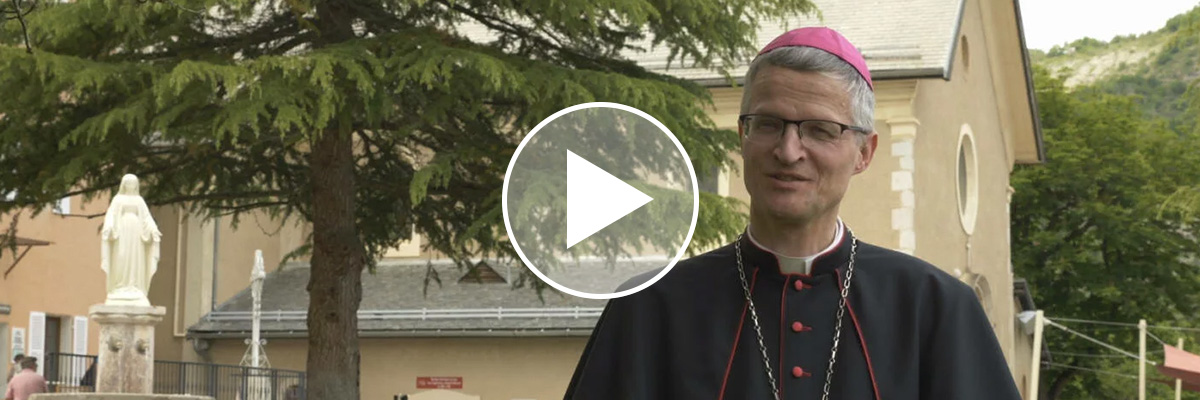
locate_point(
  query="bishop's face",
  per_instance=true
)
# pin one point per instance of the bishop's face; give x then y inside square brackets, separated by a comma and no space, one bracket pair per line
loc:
[792,177]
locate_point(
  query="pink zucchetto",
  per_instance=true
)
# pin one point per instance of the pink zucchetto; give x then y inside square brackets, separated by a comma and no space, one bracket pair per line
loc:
[825,39]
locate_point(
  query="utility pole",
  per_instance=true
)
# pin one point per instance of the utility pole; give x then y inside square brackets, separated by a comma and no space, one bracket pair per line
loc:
[1179,383]
[1036,370]
[1142,359]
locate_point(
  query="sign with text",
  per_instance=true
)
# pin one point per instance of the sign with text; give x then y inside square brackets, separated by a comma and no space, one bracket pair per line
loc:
[18,341]
[439,382]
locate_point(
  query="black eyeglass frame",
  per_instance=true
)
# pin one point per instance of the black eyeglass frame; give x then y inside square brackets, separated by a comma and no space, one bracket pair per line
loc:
[743,117]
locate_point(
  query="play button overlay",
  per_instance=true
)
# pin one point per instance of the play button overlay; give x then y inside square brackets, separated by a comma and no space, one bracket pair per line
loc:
[600,200]
[595,199]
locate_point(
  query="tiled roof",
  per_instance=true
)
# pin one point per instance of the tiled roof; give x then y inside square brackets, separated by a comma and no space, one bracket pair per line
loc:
[394,304]
[899,38]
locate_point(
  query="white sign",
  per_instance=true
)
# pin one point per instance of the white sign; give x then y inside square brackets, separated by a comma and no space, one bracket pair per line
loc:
[18,341]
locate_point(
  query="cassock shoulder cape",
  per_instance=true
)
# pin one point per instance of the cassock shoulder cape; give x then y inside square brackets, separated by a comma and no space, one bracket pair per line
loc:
[911,331]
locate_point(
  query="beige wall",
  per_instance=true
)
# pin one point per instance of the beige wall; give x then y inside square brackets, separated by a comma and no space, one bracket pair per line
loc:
[943,107]
[867,207]
[1022,358]
[494,368]
[192,291]
[162,289]
[62,279]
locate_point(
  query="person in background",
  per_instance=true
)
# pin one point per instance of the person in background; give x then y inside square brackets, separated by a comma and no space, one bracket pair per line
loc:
[790,309]
[292,393]
[16,366]
[27,382]
[89,378]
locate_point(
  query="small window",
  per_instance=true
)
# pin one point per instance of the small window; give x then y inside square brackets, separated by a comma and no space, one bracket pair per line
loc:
[964,52]
[967,180]
[708,180]
[63,206]
[482,272]
[715,181]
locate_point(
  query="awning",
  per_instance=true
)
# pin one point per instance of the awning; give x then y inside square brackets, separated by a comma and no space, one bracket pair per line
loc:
[1181,365]
[20,242]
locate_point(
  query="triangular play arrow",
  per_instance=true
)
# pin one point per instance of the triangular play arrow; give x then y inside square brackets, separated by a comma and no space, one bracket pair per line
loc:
[596,199]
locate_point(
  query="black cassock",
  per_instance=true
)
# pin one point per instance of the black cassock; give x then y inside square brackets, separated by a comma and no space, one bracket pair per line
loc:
[911,331]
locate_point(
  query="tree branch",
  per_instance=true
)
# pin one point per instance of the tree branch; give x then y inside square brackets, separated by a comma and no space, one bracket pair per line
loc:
[217,196]
[520,32]
[1044,256]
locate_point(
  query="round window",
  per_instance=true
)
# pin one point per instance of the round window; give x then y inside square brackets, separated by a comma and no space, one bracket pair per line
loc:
[968,180]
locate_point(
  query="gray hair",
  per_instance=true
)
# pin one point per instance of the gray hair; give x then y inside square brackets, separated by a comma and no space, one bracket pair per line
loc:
[862,98]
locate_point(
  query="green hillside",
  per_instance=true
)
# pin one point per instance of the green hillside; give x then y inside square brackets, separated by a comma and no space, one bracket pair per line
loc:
[1158,67]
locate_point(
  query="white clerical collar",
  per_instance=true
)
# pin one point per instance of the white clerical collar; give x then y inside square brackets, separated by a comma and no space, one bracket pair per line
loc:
[800,265]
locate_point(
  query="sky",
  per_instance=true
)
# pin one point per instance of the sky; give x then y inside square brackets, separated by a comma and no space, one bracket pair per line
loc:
[1053,22]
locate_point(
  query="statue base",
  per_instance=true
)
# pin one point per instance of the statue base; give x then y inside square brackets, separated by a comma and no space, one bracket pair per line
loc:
[126,358]
[127,296]
[114,396]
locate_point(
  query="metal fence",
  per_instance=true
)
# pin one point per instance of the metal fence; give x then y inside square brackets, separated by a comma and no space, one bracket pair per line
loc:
[75,373]
[67,373]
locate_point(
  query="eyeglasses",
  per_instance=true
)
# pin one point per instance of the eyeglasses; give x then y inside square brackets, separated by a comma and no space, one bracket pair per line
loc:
[765,128]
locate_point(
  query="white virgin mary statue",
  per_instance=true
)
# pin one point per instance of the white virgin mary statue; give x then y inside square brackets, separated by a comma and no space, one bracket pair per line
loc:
[129,246]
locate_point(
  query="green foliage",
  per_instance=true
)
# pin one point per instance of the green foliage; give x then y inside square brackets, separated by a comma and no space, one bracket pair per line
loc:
[1161,83]
[218,109]
[221,106]
[1090,230]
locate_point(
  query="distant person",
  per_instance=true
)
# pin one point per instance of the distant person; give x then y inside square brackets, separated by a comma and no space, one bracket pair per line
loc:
[89,377]
[292,393]
[27,382]
[16,366]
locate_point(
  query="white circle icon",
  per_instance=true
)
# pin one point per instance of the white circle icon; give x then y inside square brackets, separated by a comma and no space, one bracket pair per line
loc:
[600,200]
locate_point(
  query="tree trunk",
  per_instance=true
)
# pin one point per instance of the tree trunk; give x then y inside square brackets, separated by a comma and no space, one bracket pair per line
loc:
[1060,383]
[335,280]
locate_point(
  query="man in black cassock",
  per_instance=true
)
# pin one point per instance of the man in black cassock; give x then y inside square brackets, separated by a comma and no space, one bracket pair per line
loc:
[797,307]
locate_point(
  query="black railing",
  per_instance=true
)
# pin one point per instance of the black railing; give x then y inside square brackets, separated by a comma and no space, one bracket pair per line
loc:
[74,373]
[67,373]
[227,381]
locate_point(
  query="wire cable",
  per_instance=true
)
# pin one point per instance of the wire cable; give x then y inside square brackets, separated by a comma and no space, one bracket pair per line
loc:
[1096,341]
[1151,334]
[1053,365]
[1088,321]
[1126,324]
[1065,354]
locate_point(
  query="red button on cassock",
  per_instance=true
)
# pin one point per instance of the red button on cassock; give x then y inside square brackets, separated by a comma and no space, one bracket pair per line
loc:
[799,327]
[800,285]
[798,372]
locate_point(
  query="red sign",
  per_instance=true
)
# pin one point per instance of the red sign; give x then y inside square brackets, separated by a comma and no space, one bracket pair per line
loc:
[439,382]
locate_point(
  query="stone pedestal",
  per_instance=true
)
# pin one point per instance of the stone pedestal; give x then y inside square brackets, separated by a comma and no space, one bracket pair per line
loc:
[126,356]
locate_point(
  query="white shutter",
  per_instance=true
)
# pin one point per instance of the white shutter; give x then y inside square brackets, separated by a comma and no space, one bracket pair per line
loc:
[81,336]
[37,338]
[80,339]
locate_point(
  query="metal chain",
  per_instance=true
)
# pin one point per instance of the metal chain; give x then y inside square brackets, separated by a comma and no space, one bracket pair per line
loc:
[754,316]
[837,333]
[837,328]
